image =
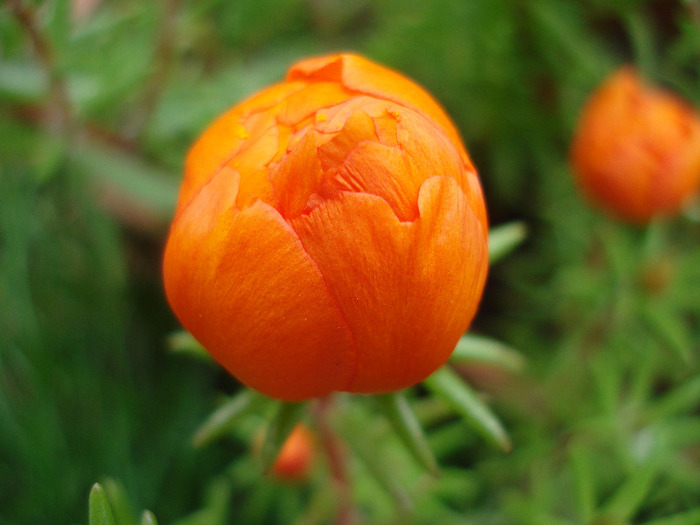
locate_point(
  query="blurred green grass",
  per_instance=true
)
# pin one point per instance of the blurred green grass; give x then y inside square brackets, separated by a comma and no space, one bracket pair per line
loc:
[94,126]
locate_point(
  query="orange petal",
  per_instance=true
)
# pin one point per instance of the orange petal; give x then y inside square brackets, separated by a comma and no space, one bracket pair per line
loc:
[385,126]
[242,284]
[306,102]
[336,118]
[225,136]
[359,163]
[377,170]
[252,162]
[421,141]
[407,291]
[361,75]
[359,127]
[297,176]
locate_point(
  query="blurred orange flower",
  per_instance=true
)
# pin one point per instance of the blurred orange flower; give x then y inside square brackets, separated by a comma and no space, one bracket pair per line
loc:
[296,457]
[330,234]
[636,151]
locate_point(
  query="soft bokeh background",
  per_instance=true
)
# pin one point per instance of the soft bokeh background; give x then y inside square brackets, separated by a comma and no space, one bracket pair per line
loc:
[99,101]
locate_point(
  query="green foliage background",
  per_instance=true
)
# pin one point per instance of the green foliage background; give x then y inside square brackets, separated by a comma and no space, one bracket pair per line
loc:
[97,110]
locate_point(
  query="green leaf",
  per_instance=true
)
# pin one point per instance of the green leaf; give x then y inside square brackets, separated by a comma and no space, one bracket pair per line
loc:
[691,517]
[279,428]
[670,330]
[100,512]
[398,411]
[683,398]
[224,418]
[504,239]
[448,438]
[623,504]
[584,482]
[183,342]
[484,349]
[356,427]
[147,518]
[119,502]
[679,432]
[446,384]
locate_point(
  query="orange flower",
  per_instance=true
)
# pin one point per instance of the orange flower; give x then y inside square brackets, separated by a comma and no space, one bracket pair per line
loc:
[296,457]
[330,234]
[637,149]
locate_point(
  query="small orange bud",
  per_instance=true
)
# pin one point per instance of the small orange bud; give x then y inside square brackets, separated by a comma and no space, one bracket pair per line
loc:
[636,151]
[330,234]
[296,456]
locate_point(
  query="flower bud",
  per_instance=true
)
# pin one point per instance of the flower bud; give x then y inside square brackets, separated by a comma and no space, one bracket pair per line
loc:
[330,234]
[636,151]
[296,457]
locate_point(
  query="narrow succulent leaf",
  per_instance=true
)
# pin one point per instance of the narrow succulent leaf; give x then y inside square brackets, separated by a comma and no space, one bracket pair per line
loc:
[457,485]
[119,503]
[691,517]
[448,438]
[484,349]
[281,425]
[100,511]
[584,482]
[532,513]
[183,342]
[504,239]
[224,418]
[398,411]
[682,398]
[607,384]
[680,432]
[147,518]
[446,384]
[624,503]
[360,434]
[670,330]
